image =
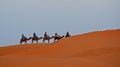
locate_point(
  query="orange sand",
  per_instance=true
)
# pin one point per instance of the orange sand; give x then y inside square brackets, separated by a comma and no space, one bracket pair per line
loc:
[96,49]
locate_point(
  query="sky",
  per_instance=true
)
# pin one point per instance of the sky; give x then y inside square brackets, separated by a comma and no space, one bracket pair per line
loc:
[75,16]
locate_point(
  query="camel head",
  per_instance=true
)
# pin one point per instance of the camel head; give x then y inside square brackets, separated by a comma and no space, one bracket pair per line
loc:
[51,37]
[30,38]
[63,36]
[41,37]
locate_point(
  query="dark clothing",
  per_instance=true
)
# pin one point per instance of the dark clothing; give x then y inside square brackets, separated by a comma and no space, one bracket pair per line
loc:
[67,34]
[23,36]
[34,35]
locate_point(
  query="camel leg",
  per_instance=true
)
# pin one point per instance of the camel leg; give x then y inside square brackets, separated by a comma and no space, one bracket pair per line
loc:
[37,41]
[21,42]
[43,40]
[48,41]
[25,42]
[54,39]
[32,41]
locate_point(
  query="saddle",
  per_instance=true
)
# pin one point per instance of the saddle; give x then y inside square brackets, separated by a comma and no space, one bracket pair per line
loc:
[35,37]
[47,36]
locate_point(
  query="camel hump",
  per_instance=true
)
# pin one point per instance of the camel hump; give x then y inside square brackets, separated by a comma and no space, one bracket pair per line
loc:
[47,36]
[58,36]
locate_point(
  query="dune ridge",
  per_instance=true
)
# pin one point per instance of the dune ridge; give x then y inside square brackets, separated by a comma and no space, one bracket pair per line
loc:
[95,49]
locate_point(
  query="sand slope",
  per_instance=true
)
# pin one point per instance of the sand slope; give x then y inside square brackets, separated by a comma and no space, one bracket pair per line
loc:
[96,49]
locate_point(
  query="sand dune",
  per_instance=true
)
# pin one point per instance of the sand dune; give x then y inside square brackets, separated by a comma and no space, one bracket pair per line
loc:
[95,49]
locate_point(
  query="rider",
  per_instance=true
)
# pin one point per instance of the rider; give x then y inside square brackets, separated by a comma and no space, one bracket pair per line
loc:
[23,36]
[45,34]
[67,34]
[56,35]
[34,35]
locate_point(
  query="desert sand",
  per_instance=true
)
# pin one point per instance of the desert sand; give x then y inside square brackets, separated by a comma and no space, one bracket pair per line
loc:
[94,49]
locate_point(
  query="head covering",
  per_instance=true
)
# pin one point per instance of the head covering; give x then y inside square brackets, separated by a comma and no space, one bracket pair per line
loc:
[55,33]
[34,33]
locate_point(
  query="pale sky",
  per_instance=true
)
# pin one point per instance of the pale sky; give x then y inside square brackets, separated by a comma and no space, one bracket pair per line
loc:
[75,16]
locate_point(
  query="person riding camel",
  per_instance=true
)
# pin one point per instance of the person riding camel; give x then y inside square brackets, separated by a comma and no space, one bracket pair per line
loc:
[56,35]
[45,35]
[34,35]
[67,34]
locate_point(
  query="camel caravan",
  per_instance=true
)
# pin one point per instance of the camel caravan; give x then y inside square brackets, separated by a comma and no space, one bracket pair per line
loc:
[35,38]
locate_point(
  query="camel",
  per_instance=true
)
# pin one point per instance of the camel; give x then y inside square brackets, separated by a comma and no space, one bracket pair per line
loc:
[46,37]
[36,39]
[25,40]
[57,37]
